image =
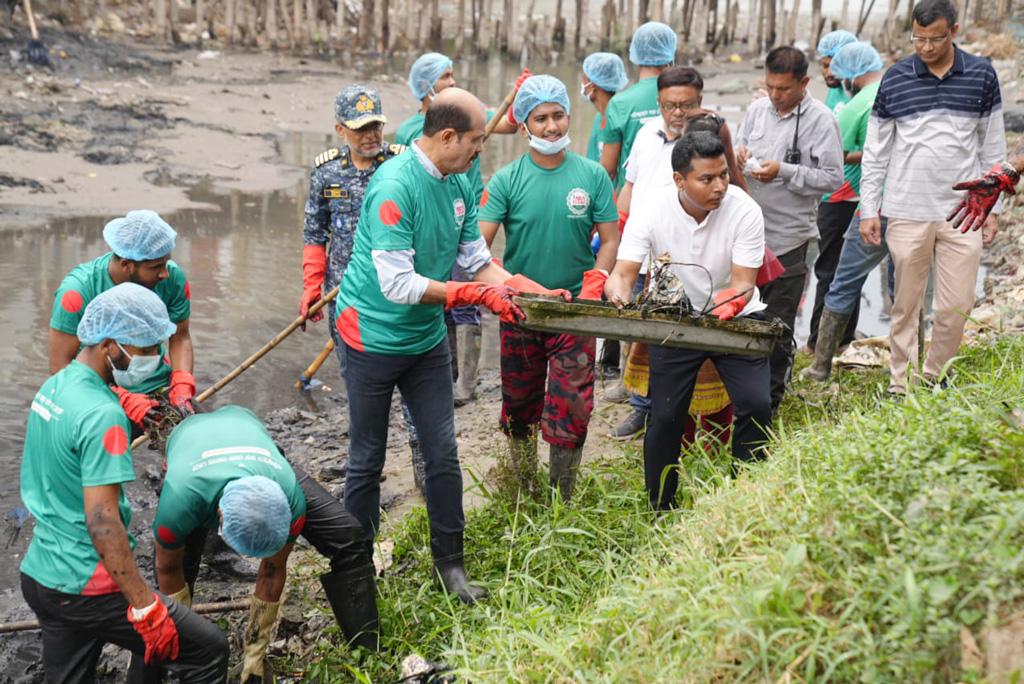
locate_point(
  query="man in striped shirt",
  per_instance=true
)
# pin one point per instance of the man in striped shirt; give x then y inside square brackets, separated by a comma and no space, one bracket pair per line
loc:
[937,118]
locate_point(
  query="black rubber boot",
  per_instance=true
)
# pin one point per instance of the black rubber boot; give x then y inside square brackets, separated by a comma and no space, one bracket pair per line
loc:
[563,464]
[831,328]
[353,598]
[448,563]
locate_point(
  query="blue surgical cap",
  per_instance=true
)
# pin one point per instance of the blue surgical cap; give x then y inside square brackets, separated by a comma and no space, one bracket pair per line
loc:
[653,44]
[854,60]
[140,235]
[606,71]
[255,516]
[126,313]
[538,90]
[425,71]
[830,43]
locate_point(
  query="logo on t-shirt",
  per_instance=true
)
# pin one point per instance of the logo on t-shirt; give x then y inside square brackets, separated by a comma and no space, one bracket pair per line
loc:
[460,212]
[578,201]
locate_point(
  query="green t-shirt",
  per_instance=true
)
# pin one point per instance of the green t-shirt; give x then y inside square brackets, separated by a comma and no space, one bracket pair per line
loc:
[76,436]
[853,128]
[204,453]
[87,280]
[405,208]
[412,128]
[627,112]
[549,216]
[835,97]
[593,144]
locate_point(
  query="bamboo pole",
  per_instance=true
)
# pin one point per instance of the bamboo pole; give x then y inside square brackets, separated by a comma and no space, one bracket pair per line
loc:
[198,609]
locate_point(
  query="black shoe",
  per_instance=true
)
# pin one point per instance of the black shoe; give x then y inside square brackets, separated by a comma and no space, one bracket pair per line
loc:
[633,426]
[353,598]
[448,564]
[608,372]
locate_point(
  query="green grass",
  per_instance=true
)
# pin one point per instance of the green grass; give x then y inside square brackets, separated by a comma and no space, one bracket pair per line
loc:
[856,553]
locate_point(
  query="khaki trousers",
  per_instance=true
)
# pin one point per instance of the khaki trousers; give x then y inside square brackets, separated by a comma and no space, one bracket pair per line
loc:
[914,246]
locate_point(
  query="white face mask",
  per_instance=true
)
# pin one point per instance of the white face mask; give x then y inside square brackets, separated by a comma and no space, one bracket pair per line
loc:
[549,147]
[583,89]
[140,368]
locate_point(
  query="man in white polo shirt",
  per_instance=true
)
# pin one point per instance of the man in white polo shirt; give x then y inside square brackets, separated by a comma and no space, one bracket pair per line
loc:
[703,221]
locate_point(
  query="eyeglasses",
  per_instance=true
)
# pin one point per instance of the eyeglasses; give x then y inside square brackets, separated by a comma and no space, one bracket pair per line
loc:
[922,41]
[677,106]
[368,129]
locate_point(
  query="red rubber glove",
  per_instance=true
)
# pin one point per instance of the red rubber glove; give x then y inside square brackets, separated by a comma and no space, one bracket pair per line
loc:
[136,406]
[183,389]
[623,217]
[593,284]
[314,268]
[521,283]
[730,308]
[497,298]
[771,268]
[982,195]
[158,630]
[519,84]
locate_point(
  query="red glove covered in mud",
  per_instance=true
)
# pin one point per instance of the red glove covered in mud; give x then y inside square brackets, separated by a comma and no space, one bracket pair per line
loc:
[731,307]
[135,406]
[183,388]
[623,217]
[521,283]
[157,629]
[314,267]
[497,298]
[519,84]
[593,284]
[982,195]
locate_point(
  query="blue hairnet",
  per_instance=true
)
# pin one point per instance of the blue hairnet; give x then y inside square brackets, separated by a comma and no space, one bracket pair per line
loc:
[830,43]
[855,59]
[126,313]
[653,44]
[606,71]
[425,71]
[255,516]
[140,235]
[538,90]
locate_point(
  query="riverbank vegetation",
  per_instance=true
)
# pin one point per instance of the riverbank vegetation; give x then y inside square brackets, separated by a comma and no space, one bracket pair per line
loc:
[881,542]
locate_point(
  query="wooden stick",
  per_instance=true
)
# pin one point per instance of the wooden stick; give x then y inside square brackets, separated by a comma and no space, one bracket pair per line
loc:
[302,382]
[199,609]
[500,114]
[256,356]
[31,20]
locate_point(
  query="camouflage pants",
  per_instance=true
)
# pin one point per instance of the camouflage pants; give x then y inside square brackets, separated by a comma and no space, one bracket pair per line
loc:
[565,363]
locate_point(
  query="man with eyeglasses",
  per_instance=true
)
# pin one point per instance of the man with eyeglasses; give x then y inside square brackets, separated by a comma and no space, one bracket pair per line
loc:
[937,118]
[789,144]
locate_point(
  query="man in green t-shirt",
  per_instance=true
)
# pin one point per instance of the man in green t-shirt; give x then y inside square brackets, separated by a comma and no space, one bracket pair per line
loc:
[141,244]
[653,49]
[419,218]
[604,74]
[224,471]
[79,574]
[859,65]
[550,201]
[828,46]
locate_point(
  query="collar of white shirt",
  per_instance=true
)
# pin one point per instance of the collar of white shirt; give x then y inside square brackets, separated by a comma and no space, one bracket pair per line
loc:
[424,160]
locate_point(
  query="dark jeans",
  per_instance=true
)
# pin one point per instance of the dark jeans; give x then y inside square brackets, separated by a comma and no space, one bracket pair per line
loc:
[76,627]
[782,297]
[425,381]
[833,220]
[673,377]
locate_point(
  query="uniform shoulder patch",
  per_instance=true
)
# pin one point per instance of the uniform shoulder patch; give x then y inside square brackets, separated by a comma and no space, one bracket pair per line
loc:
[326,156]
[395,149]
